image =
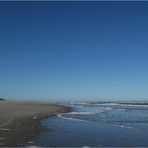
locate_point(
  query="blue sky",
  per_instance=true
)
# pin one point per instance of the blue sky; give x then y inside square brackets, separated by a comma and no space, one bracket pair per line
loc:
[74,50]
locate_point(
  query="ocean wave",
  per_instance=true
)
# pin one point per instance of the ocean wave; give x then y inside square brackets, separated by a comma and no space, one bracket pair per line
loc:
[108,108]
[130,104]
[72,119]
[123,126]
[83,113]
[104,109]
[120,110]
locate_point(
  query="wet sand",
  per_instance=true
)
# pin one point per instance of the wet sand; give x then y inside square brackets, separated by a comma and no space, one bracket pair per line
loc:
[19,121]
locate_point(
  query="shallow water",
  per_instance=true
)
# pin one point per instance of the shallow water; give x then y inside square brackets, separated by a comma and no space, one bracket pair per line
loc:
[97,125]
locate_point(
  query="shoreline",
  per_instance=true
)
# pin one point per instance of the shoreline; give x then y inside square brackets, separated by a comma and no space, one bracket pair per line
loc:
[25,125]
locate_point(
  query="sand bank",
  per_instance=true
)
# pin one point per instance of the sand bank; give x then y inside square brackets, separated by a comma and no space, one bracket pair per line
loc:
[19,120]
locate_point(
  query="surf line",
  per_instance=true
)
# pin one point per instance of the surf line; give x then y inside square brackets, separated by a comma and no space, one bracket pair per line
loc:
[72,119]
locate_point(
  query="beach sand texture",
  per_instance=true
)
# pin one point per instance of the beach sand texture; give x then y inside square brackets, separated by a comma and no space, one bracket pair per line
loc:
[11,110]
[19,120]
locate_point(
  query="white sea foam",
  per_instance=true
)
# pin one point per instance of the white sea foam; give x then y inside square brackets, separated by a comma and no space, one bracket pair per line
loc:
[108,108]
[82,113]
[120,104]
[33,146]
[104,109]
[122,126]
[72,119]
[5,129]
[133,105]
[109,104]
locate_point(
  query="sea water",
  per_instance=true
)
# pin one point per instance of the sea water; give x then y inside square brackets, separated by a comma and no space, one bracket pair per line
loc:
[97,124]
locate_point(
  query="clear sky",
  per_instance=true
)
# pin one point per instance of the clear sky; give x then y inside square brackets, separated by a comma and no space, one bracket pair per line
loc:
[74,50]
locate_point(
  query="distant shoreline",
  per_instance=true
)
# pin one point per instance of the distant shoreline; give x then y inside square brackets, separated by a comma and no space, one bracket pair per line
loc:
[19,121]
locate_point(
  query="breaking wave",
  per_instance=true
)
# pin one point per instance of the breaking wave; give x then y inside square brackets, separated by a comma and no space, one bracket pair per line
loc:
[83,113]
[106,109]
[72,119]
[132,104]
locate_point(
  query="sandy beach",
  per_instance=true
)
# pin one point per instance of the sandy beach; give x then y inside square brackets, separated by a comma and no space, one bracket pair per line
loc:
[19,120]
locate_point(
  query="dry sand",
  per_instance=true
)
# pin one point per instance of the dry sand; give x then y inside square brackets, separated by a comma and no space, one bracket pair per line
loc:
[18,120]
[10,110]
